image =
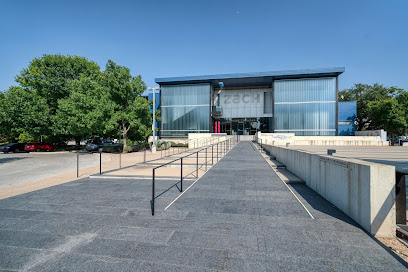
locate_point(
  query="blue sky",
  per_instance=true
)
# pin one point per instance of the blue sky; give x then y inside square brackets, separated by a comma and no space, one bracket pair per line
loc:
[180,38]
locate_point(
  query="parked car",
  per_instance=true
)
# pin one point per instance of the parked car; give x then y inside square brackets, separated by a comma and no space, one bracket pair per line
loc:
[94,145]
[37,147]
[13,147]
[107,142]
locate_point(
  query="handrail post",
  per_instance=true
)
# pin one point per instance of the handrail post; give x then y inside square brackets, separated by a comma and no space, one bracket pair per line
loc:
[197,166]
[206,160]
[212,155]
[181,175]
[153,193]
[100,163]
[77,165]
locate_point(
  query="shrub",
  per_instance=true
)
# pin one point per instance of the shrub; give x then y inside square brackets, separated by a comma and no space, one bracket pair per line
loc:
[111,149]
[173,144]
[162,145]
[128,149]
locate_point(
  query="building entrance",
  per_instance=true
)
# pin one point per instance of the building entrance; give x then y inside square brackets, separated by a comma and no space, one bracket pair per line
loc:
[245,126]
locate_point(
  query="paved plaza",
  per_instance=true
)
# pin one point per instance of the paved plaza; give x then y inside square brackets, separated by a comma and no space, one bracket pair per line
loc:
[239,216]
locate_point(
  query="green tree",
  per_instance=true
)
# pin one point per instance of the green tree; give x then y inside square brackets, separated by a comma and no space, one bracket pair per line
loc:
[3,123]
[22,111]
[86,112]
[49,79]
[363,93]
[50,74]
[389,115]
[379,107]
[131,111]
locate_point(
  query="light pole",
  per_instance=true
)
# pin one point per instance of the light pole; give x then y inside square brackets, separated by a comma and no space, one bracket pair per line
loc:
[154,118]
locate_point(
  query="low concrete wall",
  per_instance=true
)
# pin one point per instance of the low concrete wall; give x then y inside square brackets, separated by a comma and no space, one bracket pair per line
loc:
[284,138]
[364,191]
[196,140]
[380,133]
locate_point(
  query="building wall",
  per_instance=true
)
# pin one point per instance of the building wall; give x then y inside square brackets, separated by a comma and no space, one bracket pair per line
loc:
[184,109]
[246,103]
[306,107]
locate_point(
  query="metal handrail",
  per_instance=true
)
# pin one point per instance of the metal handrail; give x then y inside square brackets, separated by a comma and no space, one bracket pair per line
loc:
[189,142]
[225,145]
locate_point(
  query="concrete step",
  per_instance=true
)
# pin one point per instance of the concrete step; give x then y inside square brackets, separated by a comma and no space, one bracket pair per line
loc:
[288,177]
[276,164]
[270,156]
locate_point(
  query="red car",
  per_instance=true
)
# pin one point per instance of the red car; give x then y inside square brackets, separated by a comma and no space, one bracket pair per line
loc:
[37,147]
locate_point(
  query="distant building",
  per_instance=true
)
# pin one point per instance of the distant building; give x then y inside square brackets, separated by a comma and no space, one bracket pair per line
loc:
[347,118]
[303,102]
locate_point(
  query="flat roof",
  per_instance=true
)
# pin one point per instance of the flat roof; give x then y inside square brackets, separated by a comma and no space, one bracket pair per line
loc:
[252,79]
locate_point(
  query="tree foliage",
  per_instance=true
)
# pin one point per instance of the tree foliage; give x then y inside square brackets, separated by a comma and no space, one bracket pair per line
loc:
[49,76]
[86,112]
[69,97]
[131,111]
[379,107]
[23,111]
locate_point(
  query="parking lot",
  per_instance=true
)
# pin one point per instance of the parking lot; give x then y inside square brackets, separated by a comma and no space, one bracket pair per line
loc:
[17,168]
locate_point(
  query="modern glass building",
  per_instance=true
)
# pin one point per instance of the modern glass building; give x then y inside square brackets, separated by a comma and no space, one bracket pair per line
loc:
[303,102]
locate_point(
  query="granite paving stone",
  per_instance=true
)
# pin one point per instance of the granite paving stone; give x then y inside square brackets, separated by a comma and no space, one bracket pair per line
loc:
[139,234]
[238,217]
[107,247]
[26,239]
[180,255]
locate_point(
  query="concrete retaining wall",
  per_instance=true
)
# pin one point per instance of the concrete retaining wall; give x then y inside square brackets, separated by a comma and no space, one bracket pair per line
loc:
[284,138]
[364,191]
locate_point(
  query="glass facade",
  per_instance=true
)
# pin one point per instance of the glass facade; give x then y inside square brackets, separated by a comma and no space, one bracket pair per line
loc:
[306,107]
[244,126]
[185,109]
[347,118]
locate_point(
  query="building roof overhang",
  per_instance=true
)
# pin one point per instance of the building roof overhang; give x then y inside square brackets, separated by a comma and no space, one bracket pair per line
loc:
[251,79]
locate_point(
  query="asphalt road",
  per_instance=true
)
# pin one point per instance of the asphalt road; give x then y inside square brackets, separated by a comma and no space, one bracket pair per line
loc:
[16,168]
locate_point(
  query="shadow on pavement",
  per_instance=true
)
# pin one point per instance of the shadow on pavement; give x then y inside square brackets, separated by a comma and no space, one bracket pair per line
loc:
[6,160]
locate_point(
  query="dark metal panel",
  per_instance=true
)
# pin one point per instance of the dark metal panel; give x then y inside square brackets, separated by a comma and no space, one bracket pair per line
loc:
[257,78]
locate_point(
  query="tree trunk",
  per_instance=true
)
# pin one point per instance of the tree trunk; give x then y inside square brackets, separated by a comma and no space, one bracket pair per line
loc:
[77,143]
[124,135]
